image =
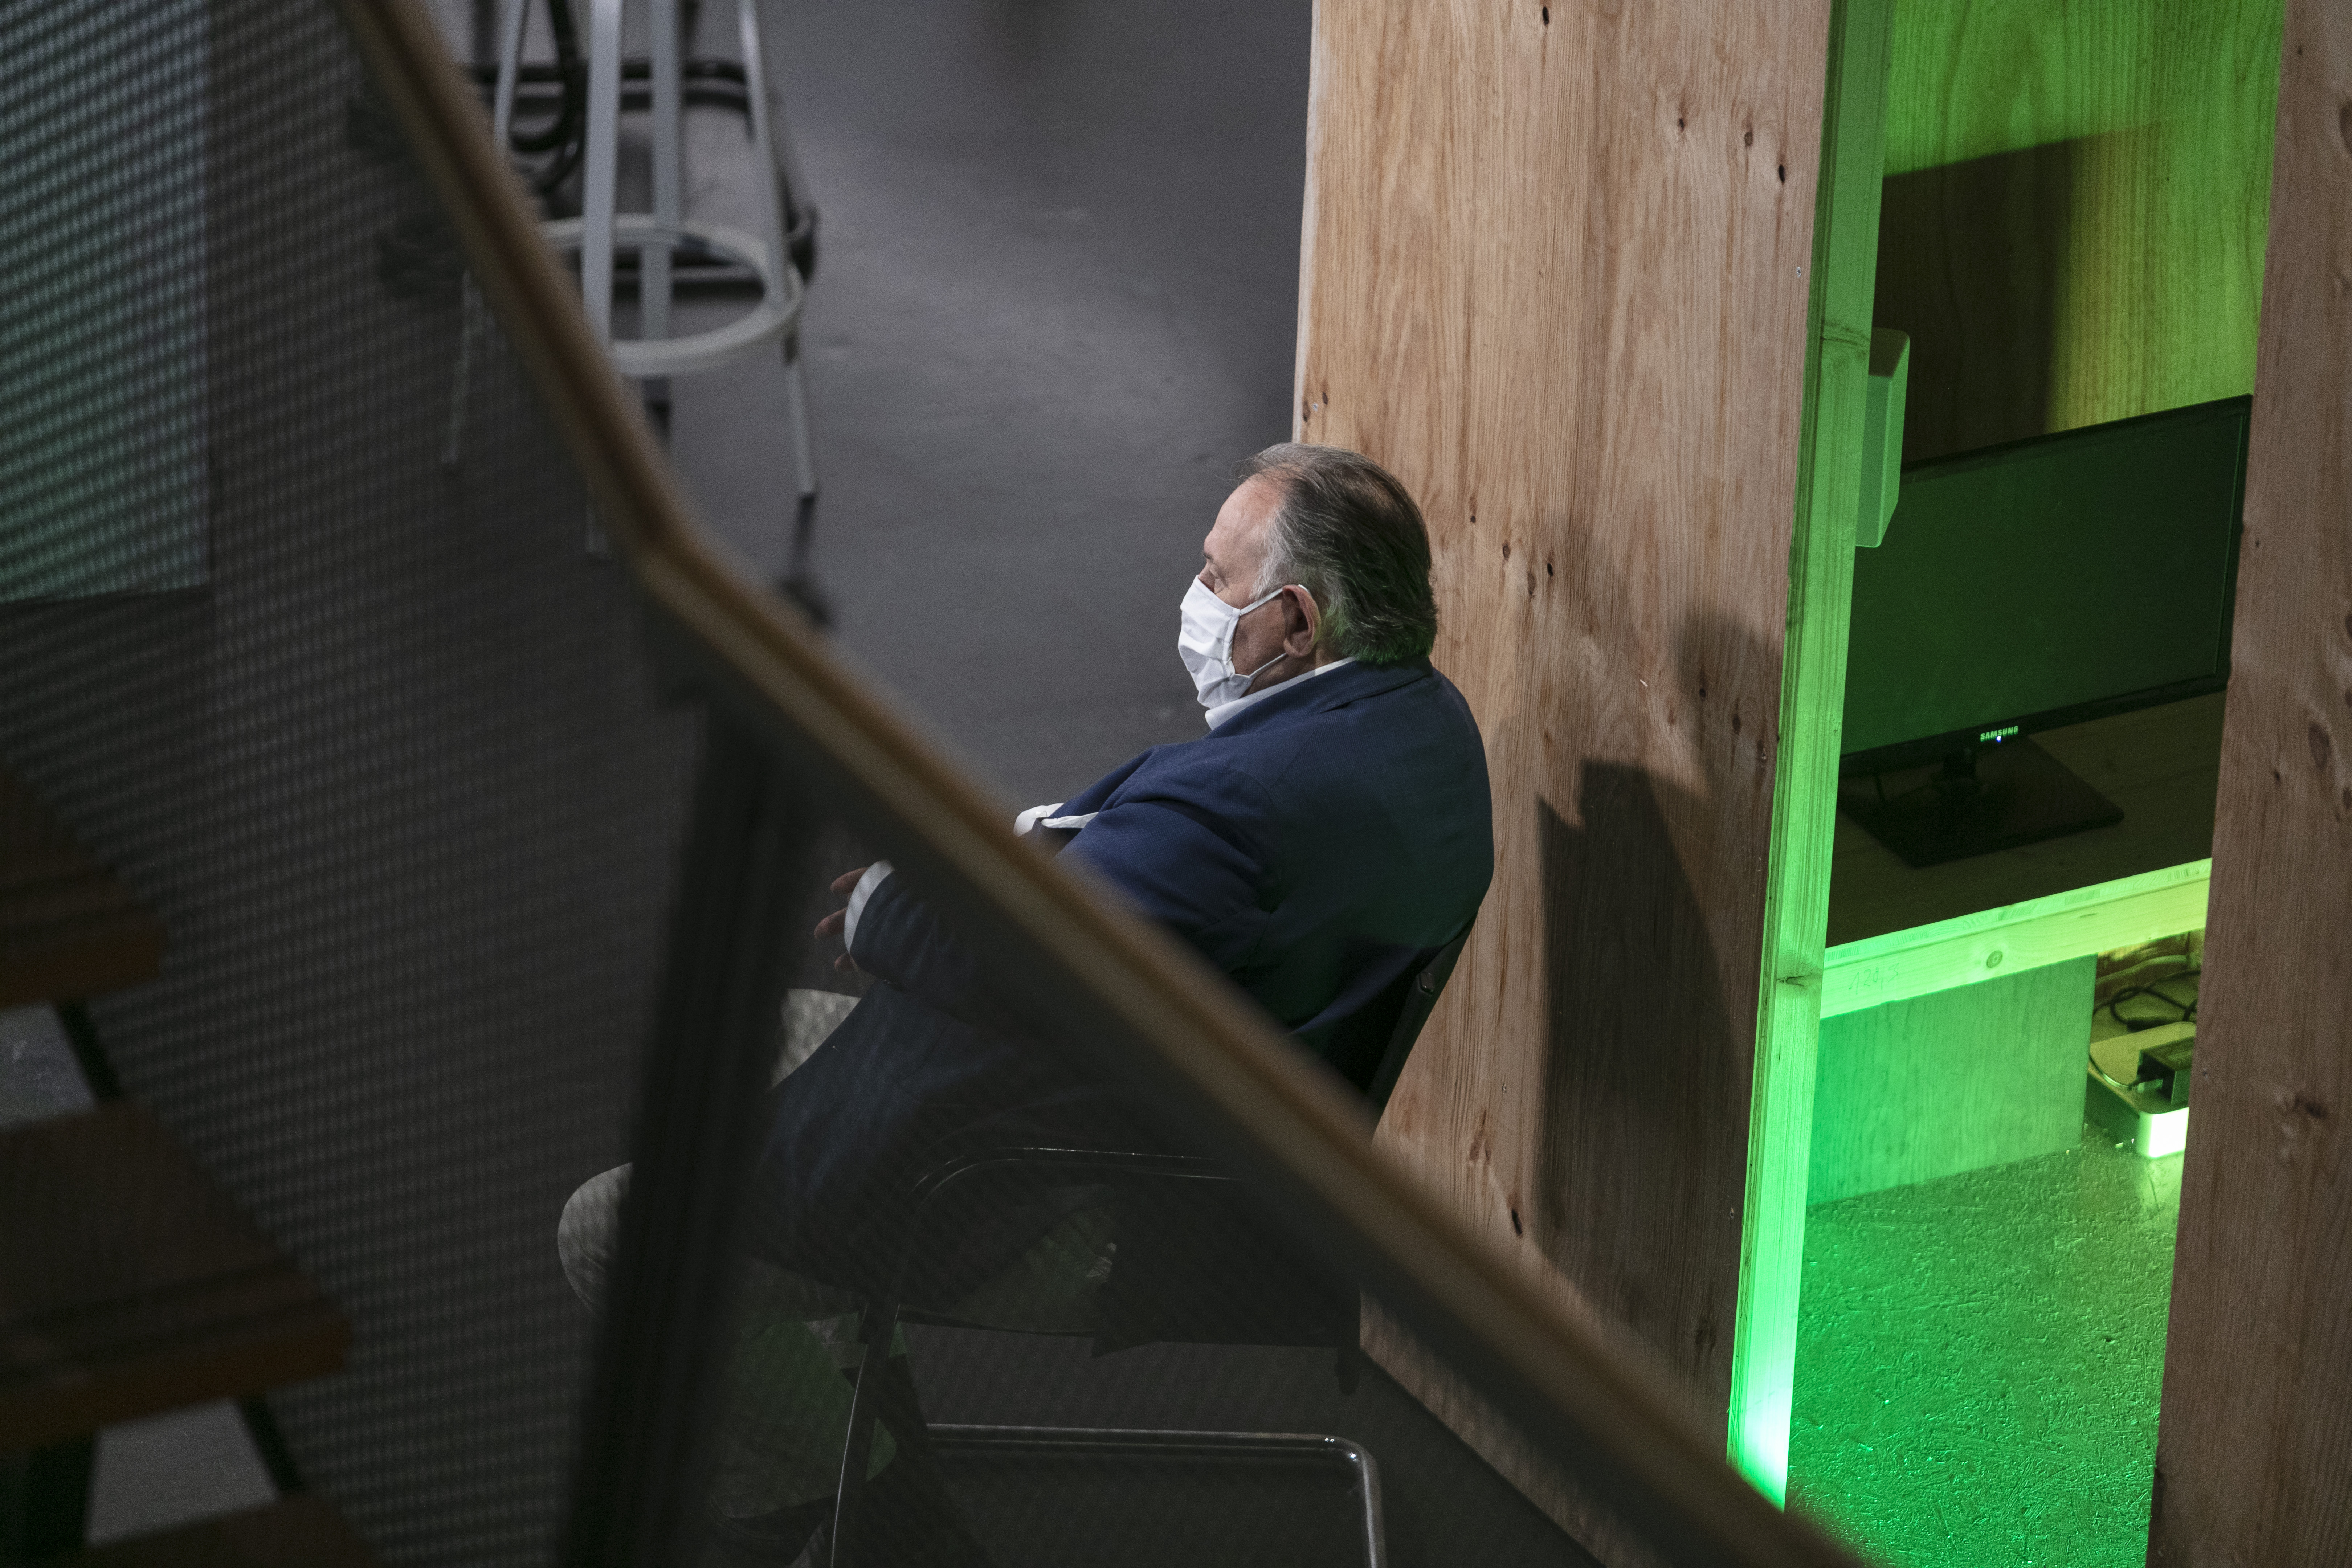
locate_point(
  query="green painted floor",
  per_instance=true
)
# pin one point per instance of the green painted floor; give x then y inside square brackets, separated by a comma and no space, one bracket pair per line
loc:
[1978,1362]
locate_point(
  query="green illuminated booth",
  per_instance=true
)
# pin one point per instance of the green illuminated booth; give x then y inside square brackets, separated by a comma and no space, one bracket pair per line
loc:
[2069,253]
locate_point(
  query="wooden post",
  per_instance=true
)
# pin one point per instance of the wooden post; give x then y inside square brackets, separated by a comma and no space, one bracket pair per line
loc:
[1557,274]
[2254,1456]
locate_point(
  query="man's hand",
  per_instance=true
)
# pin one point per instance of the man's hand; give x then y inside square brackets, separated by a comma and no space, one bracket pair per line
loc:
[831,926]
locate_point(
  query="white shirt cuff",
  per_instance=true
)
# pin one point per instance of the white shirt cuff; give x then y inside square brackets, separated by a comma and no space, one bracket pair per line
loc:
[857,896]
[1033,816]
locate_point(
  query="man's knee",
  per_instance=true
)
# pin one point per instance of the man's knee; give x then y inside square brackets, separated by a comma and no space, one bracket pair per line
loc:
[810,1018]
[589,1234]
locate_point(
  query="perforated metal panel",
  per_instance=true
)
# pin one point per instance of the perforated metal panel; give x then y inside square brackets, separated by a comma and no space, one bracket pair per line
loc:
[390,767]
[101,232]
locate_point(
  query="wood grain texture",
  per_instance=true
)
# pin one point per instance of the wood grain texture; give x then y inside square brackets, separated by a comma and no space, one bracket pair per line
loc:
[129,1284]
[1959,952]
[2255,1452]
[296,1532]
[1832,461]
[2075,208]
[1975,1076]
[1555,278]
[68,928]
[2001,76]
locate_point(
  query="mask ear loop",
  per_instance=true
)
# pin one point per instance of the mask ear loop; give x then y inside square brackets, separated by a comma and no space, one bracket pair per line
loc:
[1270,598]
[1262,669]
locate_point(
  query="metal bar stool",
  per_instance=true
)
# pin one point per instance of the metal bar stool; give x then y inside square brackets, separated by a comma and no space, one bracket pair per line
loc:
[602,231]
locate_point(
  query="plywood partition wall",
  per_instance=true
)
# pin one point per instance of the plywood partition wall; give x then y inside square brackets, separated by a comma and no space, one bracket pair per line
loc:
[2254,1456]
[2077,198]
[1557,274]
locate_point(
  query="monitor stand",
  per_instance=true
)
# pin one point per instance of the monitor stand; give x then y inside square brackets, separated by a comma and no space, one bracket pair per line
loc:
[1985,797]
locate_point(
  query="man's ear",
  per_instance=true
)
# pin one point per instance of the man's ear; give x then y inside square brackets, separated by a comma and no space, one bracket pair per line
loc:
[1300,621]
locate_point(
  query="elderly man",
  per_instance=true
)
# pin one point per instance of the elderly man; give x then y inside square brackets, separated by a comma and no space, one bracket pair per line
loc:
[1327,837]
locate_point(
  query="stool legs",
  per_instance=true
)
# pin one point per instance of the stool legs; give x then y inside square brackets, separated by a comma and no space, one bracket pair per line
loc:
[473,325]
[601,221]
[669,197]
[774,156]
[798,582]
[600,187]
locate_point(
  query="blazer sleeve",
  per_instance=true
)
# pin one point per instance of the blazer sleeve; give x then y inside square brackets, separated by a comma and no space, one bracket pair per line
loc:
[1201,872]
[1194,868]
[901,942]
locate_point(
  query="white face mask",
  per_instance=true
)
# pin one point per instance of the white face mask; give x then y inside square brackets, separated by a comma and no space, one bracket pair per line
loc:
[1204,640]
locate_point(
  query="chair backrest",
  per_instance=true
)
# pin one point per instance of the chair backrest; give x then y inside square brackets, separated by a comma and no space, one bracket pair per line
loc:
[1198,1263]
[1420,1001]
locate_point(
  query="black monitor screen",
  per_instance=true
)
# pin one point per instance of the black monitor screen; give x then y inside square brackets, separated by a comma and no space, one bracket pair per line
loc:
[2047,582]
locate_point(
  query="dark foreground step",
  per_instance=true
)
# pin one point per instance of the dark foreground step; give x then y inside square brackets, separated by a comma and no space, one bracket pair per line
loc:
[67,928]
[129,1284]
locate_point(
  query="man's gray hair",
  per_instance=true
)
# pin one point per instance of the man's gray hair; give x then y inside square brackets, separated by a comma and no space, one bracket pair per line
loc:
[1350,534]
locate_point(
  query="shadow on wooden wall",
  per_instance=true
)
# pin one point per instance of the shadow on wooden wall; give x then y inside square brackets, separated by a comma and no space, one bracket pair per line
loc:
[1642,1074]
[1972,263]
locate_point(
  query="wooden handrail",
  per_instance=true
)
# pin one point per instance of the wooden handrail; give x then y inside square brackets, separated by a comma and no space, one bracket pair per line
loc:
[1600,1407]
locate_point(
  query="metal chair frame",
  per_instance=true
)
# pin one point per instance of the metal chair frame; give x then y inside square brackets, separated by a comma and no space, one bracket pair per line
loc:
[1283,1448]
[889,1394]
[883,1391]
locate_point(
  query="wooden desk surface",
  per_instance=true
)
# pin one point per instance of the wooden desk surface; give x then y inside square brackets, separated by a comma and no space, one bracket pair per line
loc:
[2159,764]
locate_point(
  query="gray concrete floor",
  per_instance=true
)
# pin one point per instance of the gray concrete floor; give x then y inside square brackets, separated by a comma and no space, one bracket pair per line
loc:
[1056,303]
[38,1075]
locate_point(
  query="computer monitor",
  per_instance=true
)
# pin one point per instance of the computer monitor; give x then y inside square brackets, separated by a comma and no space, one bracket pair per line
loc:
[2026,586]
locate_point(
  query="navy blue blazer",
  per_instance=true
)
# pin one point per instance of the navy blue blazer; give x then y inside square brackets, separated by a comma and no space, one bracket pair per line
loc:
[1320,847]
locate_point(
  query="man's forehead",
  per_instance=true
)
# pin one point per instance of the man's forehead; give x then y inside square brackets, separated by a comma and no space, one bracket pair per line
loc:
[1241,521]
